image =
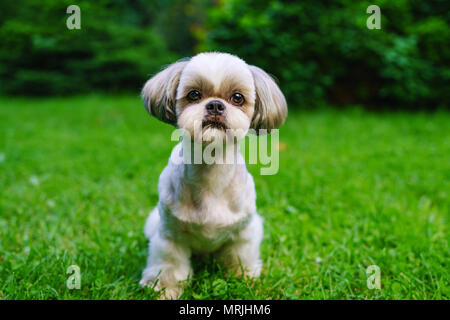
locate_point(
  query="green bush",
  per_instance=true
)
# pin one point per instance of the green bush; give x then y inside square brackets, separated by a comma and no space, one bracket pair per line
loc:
[323,50]
[115,49]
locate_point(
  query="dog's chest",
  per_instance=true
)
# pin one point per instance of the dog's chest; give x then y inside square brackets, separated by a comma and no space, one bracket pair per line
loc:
[206,225]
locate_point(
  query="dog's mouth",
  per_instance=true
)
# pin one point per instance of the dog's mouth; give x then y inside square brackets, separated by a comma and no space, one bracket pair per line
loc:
[213,123]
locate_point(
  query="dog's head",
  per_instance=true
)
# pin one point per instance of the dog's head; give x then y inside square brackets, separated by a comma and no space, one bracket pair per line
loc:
[216,93]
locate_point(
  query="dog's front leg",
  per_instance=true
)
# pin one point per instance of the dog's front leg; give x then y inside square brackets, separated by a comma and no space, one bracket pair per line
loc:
[242,254]
[168,264]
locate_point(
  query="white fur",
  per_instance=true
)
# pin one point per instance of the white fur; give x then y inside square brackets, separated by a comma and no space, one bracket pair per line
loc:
[206,208]
[202,209]
[236,120]
[217,67]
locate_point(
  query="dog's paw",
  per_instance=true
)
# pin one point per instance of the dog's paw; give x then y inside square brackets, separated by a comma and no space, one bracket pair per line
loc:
[149,278]
[171,293]
[166,292]
[248,272]
[253,272]
[149,282]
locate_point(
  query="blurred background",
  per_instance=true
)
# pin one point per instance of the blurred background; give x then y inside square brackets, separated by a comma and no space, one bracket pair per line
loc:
[320,51]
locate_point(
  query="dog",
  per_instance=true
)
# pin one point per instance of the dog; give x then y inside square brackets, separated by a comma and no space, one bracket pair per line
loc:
[208,208]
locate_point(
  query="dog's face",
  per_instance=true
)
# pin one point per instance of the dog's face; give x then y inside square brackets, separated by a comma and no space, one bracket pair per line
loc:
[215,96]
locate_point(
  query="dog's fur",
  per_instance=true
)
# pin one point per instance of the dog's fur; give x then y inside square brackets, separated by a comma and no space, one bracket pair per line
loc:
[206,208]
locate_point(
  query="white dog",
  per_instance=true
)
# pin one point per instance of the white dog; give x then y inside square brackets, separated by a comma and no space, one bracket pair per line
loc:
[206,208]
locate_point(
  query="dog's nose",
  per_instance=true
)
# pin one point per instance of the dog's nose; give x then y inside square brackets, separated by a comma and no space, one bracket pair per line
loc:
[215,107]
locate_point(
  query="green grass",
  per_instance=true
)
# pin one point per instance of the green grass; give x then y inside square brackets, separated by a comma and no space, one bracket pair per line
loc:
[78,177]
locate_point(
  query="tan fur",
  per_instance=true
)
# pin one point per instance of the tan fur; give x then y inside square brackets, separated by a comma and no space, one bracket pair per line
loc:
[270,104]
[159,93]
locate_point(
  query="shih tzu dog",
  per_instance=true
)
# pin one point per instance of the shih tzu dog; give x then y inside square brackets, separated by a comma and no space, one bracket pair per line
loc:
[208,207]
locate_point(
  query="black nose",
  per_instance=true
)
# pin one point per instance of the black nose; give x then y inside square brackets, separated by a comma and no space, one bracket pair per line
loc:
[215,107]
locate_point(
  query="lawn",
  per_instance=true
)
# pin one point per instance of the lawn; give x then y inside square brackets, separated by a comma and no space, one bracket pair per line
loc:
[78,177]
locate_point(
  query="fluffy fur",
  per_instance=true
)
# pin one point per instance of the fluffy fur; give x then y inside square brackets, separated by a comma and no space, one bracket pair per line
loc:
[207,208]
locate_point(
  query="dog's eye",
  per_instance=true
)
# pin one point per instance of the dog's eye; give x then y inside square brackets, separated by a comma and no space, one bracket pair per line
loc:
[238,99]
[194,95]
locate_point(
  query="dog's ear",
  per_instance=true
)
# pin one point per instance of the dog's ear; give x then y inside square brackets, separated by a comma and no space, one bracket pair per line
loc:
[159,92]
[270,104]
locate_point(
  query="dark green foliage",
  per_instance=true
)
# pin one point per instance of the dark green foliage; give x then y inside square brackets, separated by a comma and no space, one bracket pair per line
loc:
[323,49]
[319,50]
[178,21]
[114,50]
